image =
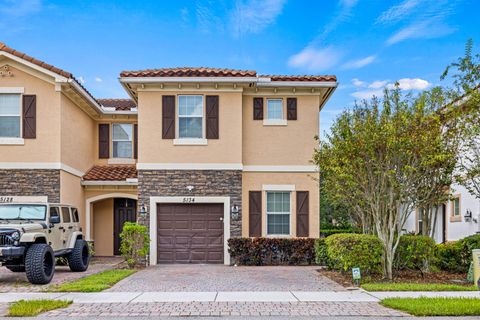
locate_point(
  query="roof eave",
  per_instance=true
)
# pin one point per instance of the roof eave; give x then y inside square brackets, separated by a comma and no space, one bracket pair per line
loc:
[187,79]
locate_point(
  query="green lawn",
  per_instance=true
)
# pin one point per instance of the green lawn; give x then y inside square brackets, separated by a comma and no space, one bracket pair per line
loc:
[386,286]
[435,306]
[93,283]
[31,308]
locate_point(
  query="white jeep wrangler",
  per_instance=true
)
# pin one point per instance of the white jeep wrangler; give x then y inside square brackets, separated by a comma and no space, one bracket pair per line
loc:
[32,235]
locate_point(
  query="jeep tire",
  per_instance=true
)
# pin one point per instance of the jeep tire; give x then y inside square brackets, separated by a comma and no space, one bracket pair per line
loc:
[79,258]
[40,263]
[16,268]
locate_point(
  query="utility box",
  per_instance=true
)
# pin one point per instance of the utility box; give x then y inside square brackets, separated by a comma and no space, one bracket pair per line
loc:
[476,267]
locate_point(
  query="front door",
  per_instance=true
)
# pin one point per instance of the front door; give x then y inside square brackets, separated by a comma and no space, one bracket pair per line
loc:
[125,210]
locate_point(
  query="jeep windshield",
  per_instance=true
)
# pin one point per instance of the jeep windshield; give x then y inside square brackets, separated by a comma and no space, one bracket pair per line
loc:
[22,212]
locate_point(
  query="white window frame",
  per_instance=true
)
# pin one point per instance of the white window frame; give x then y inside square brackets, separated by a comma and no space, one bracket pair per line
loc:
[120,160]
[290,192]
[19,139]
[275,122]
[189,141]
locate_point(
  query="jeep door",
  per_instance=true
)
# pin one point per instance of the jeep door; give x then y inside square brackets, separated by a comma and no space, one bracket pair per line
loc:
[56,232]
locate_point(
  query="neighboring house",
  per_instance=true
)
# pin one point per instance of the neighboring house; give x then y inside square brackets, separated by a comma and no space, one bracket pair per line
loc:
[198,155]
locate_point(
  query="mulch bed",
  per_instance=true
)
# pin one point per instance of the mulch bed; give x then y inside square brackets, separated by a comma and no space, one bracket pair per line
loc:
[404,276]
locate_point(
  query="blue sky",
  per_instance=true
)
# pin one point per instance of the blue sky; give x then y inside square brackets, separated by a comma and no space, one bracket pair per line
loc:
[367,44]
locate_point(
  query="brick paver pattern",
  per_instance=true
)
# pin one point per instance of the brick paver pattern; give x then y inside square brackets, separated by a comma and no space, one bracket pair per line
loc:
[226,278]
[17,281]
[225,309]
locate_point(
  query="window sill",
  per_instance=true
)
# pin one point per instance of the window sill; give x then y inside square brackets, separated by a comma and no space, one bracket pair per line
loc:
[279,236]
[121,161]
[12,141]
[190,142]
[455,218]
[267,122]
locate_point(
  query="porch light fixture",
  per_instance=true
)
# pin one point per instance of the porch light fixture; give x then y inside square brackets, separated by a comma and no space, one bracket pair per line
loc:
[143,210]
[468,215]
[235,212]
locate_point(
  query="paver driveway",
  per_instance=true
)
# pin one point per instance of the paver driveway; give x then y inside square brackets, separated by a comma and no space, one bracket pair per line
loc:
[197,277]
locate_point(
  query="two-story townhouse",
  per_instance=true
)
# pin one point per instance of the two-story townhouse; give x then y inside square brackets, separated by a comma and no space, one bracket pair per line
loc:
[198,155]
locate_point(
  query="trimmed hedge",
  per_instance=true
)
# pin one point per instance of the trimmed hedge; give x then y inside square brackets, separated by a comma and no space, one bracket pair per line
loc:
[468,244]
[415,253]
[449,257]
[347,251]
[321,257]
[328,232]
[271,251]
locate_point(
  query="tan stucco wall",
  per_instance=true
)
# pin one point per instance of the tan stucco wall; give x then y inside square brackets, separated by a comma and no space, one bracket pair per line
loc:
[154,149]
[292,144]
[46,146]
[254,181]
[103,227]
[72,193]
[78,136]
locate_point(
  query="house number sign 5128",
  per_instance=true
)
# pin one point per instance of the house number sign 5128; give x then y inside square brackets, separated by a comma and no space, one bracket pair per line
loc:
[6,199]
[188,200]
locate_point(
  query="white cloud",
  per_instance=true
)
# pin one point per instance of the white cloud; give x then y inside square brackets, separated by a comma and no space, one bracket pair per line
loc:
[359,63]
[397,12]
[358,83]
[81,80]
[253,16]
[343,14]
[378,84]
[315,59]
[376,87]
[98,79]
[411,84]
[421,30]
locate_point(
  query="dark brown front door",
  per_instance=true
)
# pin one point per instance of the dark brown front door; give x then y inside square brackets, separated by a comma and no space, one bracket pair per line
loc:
[190,233]
[125,210]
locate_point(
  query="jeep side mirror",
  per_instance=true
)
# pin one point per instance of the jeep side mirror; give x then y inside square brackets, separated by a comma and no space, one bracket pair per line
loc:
[54,219]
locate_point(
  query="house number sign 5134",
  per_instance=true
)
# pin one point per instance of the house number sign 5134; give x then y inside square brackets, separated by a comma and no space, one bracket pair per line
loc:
[188,200]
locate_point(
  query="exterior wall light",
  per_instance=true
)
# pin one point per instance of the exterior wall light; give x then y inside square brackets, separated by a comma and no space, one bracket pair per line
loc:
[468,215]
[143,210]
[235,212]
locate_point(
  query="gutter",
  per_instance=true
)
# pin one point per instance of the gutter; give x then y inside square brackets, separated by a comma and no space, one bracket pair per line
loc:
[128,182]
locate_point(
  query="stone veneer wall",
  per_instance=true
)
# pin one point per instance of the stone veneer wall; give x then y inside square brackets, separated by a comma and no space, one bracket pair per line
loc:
[206,183]
[30,182]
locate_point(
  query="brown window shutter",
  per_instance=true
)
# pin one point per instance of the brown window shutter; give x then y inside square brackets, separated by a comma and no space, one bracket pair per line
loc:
[135,141]
[302,214]
[29,116]
[291,108]
[255,213]
[104,141]
[212,117]
[257,108]
[168,117]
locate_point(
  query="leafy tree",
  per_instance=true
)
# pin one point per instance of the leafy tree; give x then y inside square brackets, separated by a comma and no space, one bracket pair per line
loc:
[466,110]
[376,157]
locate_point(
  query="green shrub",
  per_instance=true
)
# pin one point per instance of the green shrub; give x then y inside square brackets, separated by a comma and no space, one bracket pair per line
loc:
[321,257]
[135,243]
[328,232]
[449,257]
[468,244]
[415,253]
[271,251]
[346,251]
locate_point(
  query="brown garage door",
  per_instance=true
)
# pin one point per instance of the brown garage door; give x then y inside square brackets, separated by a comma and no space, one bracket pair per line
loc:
[190,233]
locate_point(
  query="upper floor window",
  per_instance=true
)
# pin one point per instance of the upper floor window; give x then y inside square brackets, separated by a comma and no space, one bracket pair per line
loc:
[190,116]
[278,213]
[122,140]
[10,115]
[274,109]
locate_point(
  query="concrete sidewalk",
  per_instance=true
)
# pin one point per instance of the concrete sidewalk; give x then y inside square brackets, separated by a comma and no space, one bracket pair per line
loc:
[232,296]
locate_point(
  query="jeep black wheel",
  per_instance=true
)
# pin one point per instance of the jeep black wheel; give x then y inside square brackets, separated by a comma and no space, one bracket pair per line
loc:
[16,268]
[40,263]
[79,258]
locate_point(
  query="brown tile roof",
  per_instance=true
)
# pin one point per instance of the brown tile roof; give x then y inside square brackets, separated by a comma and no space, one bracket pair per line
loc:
[111,173]
[66,74]
[118,104]
[189,72]
[326,78]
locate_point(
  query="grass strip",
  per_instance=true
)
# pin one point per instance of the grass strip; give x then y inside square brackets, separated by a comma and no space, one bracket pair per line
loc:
[435,306]
[31,308]
[93,283]
[385,286]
